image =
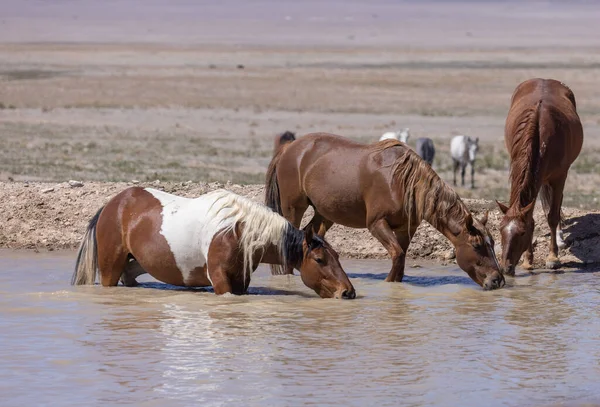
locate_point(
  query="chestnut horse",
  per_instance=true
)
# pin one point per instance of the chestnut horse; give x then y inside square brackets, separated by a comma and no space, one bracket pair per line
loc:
[215,240]
[385,187]
[543,135]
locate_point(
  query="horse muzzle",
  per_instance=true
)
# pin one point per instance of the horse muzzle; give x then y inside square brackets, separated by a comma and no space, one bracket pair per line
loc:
[345,294]
[494,282]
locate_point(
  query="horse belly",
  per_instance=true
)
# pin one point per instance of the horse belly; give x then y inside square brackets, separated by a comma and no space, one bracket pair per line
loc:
[334,189]
[343,208]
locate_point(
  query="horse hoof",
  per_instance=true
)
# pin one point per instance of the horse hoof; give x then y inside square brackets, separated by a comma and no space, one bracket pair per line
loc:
[527,266]
[553,264]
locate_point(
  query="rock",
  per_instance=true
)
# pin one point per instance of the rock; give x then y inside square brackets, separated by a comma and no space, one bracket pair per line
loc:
[449,255]
[135,181]
[45,191]
[75,184]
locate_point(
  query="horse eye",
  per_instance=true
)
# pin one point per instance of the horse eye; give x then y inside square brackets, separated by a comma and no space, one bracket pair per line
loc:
[319,260]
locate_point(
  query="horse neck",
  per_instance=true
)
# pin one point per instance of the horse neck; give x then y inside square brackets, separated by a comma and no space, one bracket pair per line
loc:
[445,211]
[272,254]
[289,252]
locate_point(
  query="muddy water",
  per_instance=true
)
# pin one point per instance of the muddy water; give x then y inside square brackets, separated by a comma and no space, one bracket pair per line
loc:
[436,340]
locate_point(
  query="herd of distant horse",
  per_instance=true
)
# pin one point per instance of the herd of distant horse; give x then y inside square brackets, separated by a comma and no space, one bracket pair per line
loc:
[463,150]
[219,238]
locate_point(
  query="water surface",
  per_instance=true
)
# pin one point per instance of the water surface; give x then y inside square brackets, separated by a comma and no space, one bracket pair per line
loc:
[435,340]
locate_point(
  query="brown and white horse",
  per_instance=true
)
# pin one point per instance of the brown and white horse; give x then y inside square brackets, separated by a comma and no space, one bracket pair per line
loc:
[385,187]
[215,240]
[543,135]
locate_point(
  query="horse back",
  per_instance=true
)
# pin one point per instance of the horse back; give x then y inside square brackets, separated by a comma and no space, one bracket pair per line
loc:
[340,177]
[559,130]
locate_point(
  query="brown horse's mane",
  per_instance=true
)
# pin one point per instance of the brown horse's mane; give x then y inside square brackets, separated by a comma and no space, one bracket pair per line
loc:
[425,192]
[525,157]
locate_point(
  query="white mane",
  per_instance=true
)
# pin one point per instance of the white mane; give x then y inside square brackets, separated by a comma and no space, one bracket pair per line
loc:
[261,226]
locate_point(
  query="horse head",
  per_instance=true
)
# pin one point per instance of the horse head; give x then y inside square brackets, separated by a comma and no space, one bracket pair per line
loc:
[475,253]
[321,270]
[473,147]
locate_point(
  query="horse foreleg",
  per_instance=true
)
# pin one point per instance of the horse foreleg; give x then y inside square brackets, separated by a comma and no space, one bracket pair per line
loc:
[382,231]
[528,261]
[552,261]
[456,166]
[473,175]
[220,280]
[225,266]
[463,169]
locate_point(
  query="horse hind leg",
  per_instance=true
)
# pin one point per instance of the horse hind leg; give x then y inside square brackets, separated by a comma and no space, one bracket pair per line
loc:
[133,269]
[113,256]
[293,212]
[456,166]
[553,195]
[319,224]
[111,265]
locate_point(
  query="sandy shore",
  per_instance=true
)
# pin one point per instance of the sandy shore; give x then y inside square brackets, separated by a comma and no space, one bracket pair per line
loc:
[51,216]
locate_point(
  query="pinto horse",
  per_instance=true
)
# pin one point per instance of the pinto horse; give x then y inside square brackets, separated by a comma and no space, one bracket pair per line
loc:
[543,135]
[215,240]
[385,187]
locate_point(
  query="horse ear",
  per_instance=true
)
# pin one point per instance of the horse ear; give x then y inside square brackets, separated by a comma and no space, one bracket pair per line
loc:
[528,208]
[469,222]
[485,218]
[476,140]
[308,234]
[502,207]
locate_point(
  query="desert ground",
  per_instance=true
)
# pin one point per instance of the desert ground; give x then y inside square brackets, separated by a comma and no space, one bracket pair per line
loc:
[189,96]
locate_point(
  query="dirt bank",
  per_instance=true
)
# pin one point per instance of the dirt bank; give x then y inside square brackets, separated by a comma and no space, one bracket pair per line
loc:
[50,216]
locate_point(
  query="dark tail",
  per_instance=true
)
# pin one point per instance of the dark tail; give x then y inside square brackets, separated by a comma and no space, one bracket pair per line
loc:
[87,257]
[272,198]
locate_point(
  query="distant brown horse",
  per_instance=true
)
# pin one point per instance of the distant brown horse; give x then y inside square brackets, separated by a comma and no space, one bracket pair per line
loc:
[385,187]
[543,135]
[215,240]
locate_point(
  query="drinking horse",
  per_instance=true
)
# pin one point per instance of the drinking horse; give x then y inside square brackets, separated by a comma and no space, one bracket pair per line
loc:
[215,240]
[385,187]
[543,135]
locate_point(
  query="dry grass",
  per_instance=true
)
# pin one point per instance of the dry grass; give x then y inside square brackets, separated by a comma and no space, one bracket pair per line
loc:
[107,112]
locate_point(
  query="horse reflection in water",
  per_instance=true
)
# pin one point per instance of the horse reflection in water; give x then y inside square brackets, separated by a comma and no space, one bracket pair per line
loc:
[215,240]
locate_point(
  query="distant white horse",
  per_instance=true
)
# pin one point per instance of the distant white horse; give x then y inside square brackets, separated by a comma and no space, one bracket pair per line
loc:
[401,135]
[463,150]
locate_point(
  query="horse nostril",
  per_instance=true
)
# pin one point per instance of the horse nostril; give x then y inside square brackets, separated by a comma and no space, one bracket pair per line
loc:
[349,294]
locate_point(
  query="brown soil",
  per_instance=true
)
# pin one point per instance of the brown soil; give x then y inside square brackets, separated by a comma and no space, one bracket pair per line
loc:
[47,216]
